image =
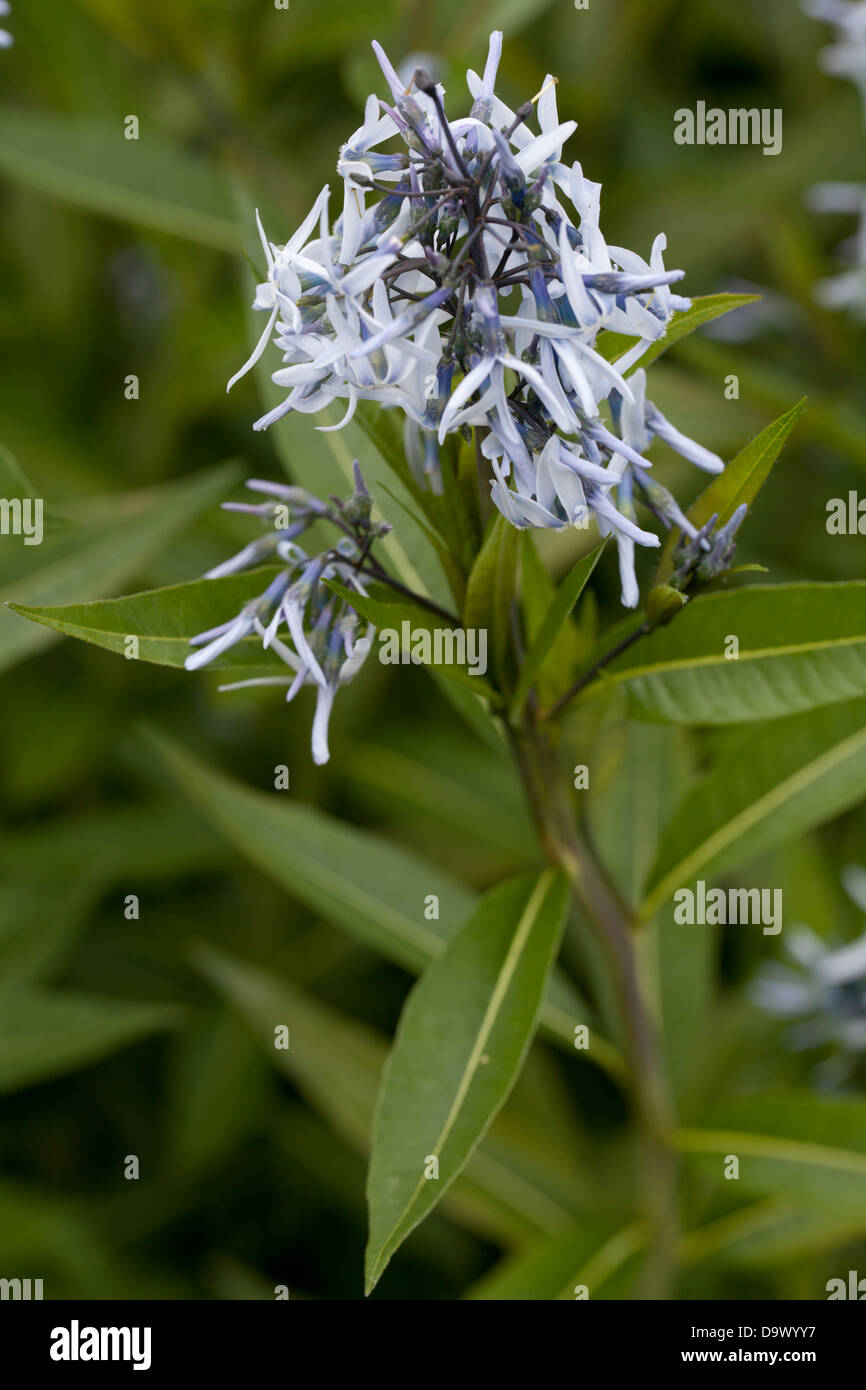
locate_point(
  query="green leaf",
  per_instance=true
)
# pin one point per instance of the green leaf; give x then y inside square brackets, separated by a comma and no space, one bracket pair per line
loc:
[570,644]
[776,784]
[88,163]
[47,1034]
[15,483]
[586,1255]
[61,1236]
[39,920]
[355,879]
[510,1188]
[461,1042]
[442,527]
[557,615]
[388,612]
[704,309]
[164,620]
[741,482]
[101,555]
[455,781]
[449,563]
[490,589]
[120,842]
[370,888]
[472,709]
[790,1144]
[635,766]
[772,1232]
[799,646]
[219,1087]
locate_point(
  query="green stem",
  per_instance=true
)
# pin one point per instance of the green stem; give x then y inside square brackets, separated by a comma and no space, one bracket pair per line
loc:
[373,570]
[613,923]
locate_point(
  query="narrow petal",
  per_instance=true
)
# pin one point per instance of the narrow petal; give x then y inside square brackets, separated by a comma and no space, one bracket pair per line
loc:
[241,627]
[257,350]
[321,719]
[467,388]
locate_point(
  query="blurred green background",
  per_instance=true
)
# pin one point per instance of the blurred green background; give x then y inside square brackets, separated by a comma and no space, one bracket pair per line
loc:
[122,1036]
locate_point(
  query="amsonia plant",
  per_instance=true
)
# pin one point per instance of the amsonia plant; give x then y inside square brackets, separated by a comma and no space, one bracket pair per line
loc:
[462,286]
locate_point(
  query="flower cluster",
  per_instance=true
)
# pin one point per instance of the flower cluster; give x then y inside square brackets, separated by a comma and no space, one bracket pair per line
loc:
[467,282]
[824,989]
[322,646]
[6,39]
[846,57]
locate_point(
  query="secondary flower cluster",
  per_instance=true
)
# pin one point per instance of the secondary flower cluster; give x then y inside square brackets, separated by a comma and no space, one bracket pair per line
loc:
[6,39]
[326,647]
[467,282]
[824,990]
[846,57]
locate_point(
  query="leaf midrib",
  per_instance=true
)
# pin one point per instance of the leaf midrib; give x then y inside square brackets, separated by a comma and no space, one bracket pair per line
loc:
[752,815]
[719,659]
[770,1146]
[506,973]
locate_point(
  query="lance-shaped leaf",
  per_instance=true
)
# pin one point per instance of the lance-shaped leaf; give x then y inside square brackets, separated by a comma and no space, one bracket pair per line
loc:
[164,620]
[772,1231]
[740,483]
[120,843]
[752,653]
[44,1034]
[457,782]
[40,916]
[15,483]
[779,782]
[585,1256]
[704,309]
[557,615]
[639,766]
[464,1033]
[126,532]
[537,592]
[148,181]
[368,886]
[508,1190]
[790,1144]
[490,589]
[359,881]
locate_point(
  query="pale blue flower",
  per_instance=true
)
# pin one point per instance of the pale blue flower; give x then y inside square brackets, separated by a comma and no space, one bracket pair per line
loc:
[408,300]
[325,648]
[821,991]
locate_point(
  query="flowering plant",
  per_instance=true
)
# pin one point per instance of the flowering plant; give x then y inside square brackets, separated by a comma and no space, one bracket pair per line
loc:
[467,297]
[491,356]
